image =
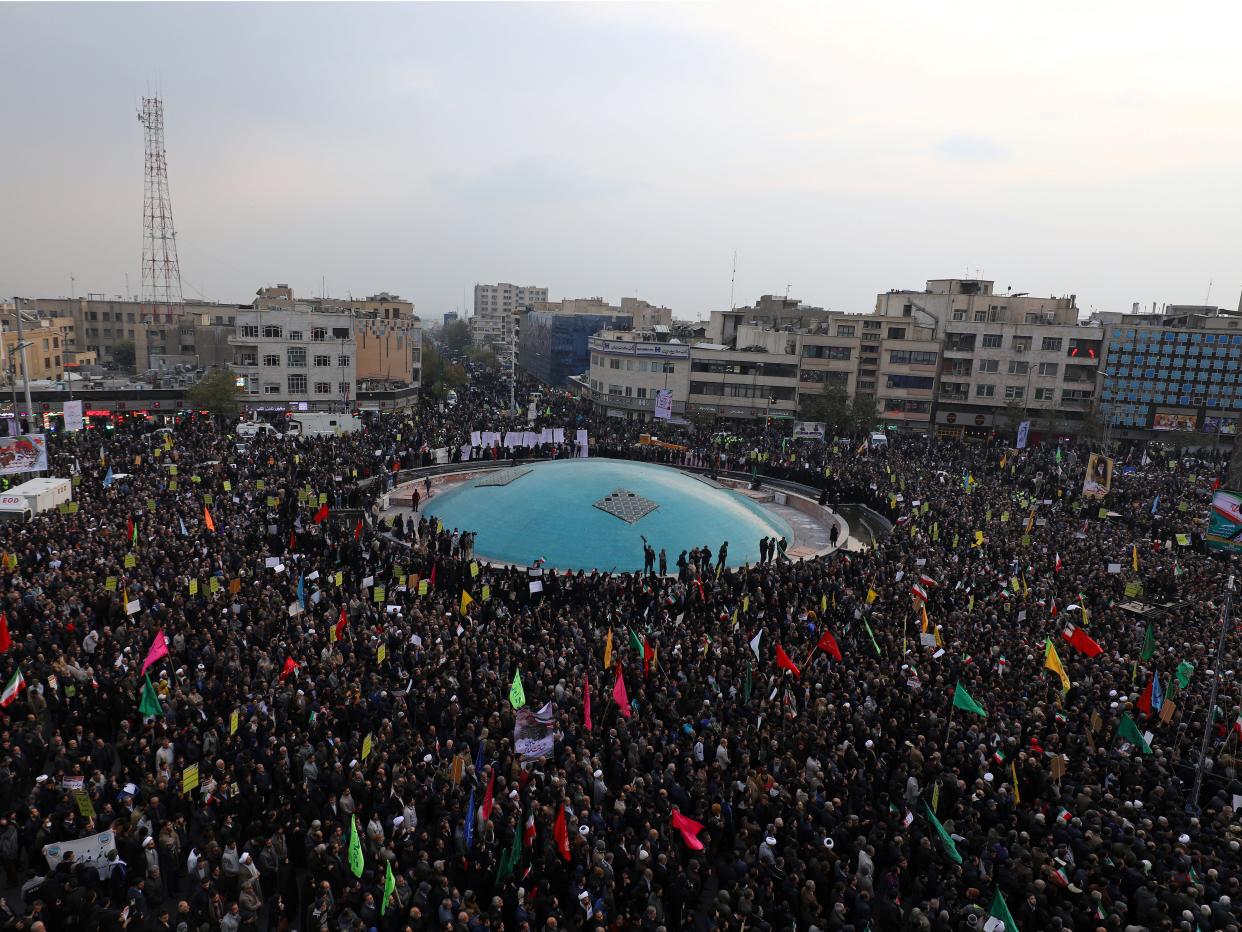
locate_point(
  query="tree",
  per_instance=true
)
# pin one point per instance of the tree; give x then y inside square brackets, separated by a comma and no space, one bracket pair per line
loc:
[456,336]
[216,393]
[124,353]
[831,407]
[438,376]
[862,414]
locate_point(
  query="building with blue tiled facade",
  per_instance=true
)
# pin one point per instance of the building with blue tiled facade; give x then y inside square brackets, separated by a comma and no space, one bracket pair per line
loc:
[554,346]
[1177,370]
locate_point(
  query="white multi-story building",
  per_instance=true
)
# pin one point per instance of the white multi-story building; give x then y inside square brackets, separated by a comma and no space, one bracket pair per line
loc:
[294,355]
[495,312]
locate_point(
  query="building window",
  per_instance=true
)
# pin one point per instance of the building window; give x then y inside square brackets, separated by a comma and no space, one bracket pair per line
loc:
[1048,368]
[271,361]
[323,360]
[342,361]
[985,391]
[1043,394]
[272,332]
[296,357]
[318,334]
[641,392]
[342,388]
[323,388]
[271,389]
[1051,344]
[981,316]
[297,385]
[959,315]
[992,340]
[911,357]
[1021,344]
[614,364]
[845,330]
[1018,368]
[295,336]
[896,333]
[1015,392]
[249,332]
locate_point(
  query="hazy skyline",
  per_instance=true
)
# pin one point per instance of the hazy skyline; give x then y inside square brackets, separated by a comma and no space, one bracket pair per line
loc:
[622,149]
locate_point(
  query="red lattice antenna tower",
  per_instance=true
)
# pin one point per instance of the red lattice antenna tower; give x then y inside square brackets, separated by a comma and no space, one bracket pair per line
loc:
[161,271]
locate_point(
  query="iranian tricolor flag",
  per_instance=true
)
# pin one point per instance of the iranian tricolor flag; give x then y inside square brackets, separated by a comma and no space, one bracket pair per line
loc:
[16,684]
[1237,725]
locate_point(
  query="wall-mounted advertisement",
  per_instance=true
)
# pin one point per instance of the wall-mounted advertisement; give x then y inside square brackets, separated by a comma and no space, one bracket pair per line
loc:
[1225,522]
[1174,422]
[1220,425]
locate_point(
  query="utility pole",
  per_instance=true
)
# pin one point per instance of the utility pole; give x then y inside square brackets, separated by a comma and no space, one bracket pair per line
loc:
[21,342]
[1211,706]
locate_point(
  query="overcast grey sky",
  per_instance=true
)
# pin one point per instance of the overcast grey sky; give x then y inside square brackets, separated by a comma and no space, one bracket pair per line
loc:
[630,149]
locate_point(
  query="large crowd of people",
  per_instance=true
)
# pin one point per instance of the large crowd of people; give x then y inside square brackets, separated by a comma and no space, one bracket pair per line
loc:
[874,739]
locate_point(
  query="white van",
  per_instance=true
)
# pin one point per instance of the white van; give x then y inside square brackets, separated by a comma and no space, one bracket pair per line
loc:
[252,429]
[877,440]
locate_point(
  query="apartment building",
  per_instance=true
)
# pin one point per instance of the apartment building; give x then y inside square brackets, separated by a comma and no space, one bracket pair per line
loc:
[196,333]
[1176,369]
[46,353]
[288,353]
[495,310]
[553,344]
[1004,358]
[829,355]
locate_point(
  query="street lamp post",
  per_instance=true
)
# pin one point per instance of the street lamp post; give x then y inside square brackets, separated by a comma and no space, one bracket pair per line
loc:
[21,341]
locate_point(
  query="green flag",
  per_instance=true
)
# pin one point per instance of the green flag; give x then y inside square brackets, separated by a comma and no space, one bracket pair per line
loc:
[149,704]
[390,884]
[1149,643]
[1130,732]
[964,700]
[355,848]
[945,838]
[517,695]
[636,642]
[1000,916]
[1185,670]
[511,858]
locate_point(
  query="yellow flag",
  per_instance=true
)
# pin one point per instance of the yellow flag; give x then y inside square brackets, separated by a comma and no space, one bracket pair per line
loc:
[823,604]
[872,595]
[1013,769]
[459,769]
[939,639]
[978,539]
[735,618]
[1134,556]
[923,608]
[1053,662]
[608,651]
[465,601]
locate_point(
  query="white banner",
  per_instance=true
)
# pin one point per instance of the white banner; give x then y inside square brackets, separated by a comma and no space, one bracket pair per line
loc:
[476,438]
[532,738]
[664,404]
[99,851]
[27,453]
[73,415]
[583,443]
[1024,430]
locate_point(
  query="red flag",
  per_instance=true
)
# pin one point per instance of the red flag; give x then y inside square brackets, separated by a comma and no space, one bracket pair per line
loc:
[927,581]
[129,529]
[619,696]
[648,654]
[1081,641]
[561,833]
[1144,702]
[487,796]
[528,835]
[358,530]
[293,541]
[290,666]
[699,583]
[322,514]
[211,525]
[828,644]
[341,623]
[586,703]
[782,660]
[1053,611]
[1057,566]
[689,830]
[5,642]
[432,582]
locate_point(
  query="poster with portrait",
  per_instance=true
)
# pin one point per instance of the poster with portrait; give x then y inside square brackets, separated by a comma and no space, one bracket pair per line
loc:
[664,404]
[1099,479]
[27,453]
[1163,421]
[1225,521]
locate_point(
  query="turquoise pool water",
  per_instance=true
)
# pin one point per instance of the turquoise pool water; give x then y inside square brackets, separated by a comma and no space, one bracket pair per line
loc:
[550,513]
